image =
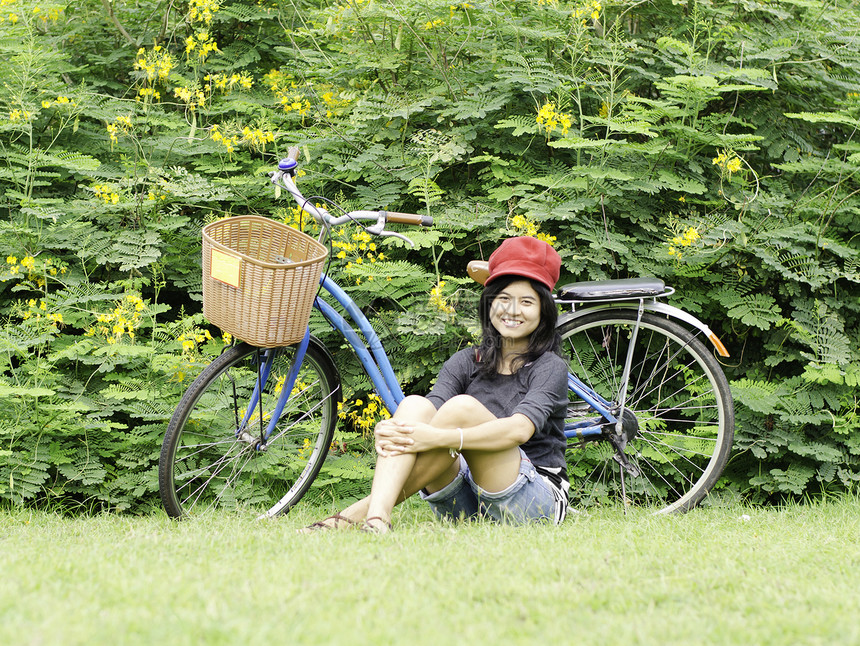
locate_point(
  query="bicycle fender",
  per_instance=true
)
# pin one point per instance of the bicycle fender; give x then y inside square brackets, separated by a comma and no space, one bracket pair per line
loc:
[656,307]
[324,351]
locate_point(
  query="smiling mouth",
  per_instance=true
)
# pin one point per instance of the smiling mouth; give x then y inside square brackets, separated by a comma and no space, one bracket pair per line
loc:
[511,323]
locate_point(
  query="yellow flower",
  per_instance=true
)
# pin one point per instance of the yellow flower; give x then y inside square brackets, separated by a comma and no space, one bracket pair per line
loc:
[157,63]
[590,8]
[203,44]
[687,238]
[202,10]
[122,320]
[728,161]
[437,300]
[193,97]
[525,227]
[549,118]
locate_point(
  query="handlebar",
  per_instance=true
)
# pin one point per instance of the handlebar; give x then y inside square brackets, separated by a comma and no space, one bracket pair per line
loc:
[284,178]
[410,218]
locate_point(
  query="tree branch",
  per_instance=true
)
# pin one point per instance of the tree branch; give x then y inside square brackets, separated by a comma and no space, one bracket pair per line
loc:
[109,9]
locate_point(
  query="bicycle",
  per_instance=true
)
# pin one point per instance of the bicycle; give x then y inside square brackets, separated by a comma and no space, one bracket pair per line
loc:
[650,419]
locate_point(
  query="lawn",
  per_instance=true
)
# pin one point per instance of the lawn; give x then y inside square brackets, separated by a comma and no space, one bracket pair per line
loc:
[722,575]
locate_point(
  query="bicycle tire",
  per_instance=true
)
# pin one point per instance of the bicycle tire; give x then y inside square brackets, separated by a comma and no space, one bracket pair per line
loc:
[206,464]
[684,416]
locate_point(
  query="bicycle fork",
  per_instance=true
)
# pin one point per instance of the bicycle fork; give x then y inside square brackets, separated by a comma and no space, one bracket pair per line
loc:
[264,368]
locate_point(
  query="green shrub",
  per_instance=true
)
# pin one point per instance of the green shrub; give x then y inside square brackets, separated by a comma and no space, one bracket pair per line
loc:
[710,144]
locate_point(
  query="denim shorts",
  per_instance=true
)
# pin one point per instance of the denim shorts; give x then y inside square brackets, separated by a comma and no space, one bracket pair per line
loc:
[530,498]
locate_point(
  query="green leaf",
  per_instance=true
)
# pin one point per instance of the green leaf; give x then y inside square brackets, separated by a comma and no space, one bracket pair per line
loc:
[24,391]
[77,161]
[825,117]
[521,125]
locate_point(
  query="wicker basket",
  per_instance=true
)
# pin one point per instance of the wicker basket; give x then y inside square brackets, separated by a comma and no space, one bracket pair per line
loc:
[260,278]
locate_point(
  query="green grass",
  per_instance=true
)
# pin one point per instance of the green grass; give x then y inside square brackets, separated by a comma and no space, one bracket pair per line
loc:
[725,575]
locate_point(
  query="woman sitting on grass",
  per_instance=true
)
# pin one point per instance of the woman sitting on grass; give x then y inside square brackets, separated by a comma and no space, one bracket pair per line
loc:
[487,441]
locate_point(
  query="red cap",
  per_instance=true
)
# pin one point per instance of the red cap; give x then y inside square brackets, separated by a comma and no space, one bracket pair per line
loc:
[527,257]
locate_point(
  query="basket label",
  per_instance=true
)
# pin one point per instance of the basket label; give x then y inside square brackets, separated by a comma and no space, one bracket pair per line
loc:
[225,267]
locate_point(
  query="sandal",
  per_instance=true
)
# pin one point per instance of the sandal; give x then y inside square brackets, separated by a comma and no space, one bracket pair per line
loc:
[366,526]
[339,522]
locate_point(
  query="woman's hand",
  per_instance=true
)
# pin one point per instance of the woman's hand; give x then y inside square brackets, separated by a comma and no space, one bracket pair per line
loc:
[396,437]
[392,437]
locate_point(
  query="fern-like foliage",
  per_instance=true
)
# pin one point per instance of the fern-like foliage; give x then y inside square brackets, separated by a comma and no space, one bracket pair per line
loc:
[689,145]
[759,310]
[533,73]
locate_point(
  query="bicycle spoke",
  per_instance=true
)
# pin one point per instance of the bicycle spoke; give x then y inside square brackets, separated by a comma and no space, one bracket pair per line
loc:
[213,470]
[202,447]
[206,464]
[680,419]
[683,455]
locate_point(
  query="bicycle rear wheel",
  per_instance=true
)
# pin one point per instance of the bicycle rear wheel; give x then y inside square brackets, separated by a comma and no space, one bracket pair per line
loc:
[210,460]
[682,427]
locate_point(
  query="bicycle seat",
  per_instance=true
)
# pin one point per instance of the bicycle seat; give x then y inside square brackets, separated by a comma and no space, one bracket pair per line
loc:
[478,270]
[612,289]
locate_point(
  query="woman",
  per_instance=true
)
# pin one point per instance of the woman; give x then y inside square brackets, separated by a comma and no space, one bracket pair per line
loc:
[488,439]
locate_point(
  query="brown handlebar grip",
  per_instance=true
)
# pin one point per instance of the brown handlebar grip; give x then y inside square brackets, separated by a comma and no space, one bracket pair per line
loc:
[410,218]
[293,153]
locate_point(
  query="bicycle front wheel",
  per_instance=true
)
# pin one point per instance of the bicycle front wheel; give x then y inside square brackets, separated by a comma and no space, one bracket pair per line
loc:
[679,421]
[210,459]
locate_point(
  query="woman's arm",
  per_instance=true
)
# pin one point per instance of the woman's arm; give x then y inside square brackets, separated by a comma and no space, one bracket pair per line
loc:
[394,437]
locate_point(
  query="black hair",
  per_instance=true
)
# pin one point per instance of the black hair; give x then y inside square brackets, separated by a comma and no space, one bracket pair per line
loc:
[544,339]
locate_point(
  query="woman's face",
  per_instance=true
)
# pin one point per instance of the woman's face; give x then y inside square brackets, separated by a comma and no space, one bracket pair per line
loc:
[515,312]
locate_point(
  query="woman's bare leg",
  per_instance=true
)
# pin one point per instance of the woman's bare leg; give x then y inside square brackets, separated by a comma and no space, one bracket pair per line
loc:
[413,408]
[398,477]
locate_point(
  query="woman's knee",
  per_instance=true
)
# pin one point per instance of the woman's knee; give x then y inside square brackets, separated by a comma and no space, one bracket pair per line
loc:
[416,406]
[462,410]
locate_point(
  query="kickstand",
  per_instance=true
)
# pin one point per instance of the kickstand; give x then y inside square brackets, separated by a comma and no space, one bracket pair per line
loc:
[621,470]
[625,466]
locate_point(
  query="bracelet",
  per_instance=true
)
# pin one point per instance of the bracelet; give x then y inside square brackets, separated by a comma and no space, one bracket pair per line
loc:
[454,453]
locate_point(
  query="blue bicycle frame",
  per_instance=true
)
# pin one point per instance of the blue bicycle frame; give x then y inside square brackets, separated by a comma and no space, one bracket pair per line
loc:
[665,414]
[377,365]
[372,355]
